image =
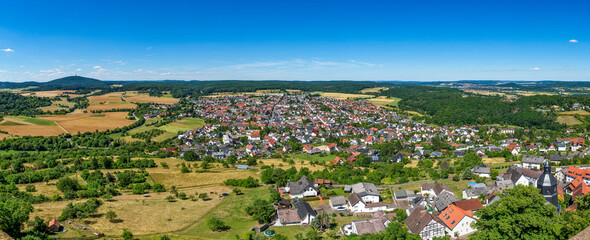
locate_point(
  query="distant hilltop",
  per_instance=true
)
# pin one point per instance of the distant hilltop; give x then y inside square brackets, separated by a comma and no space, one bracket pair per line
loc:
[74,82]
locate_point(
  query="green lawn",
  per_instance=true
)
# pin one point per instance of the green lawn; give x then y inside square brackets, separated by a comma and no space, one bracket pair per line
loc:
[232,212]
[290,231]
[305,156]
[457,187]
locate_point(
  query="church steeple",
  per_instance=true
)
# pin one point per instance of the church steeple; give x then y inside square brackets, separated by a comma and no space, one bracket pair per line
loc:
[548,185]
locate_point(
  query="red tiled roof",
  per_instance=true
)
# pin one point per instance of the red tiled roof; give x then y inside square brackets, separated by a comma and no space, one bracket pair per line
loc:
[575,172]
[582,189]
[452,215]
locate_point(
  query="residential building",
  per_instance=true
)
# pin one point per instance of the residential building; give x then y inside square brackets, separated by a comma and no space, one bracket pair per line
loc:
[457,221]
[425,224]
[302,188]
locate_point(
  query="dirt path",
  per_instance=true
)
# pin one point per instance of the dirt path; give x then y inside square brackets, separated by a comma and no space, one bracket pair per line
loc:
[62,128]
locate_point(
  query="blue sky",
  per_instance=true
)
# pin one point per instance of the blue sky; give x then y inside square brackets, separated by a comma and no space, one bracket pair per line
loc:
[295,40]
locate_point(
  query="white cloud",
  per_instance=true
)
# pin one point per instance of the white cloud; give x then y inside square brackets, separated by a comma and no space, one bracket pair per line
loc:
[573,40]
[119,62]
[79,69]
[6,50]
[148,48]
[97,67]
[534,69]
[3,71]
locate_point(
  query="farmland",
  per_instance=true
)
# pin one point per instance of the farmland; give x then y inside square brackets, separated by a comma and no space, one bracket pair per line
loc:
[157,214]
[108,101]
[55,125]
[62,104]
[568,120]
[171,129]
[136,97]
[578,112]
[50,93]
[383,101]
[87,122]
[27,126]
[374,90]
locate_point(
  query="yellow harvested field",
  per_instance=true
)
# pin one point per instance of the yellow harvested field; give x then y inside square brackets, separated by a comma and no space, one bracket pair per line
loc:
[144,215]
[280,164]
[215,177]
[486,92]
[106,98]
[42,188]
[3,136]
[110,106]
[172,176]
[108,101]
[342,96]
[568,120]
[87,122]
[51,93]
[383,101]
[144,98]
[413,163]
[527,93]
[579,112]
[374,90]
[494,160]
[32,130]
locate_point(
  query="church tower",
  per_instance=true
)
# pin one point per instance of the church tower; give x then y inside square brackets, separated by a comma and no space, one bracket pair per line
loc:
[548,185]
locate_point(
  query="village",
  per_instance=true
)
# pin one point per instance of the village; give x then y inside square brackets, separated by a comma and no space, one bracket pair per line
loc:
[348,131]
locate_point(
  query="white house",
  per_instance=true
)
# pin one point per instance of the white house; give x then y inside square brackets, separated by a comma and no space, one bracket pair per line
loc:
[338,203]
[304,211]
[356,204]
[302,188]
[425,224]
[532,162]
[367,191]
[457,221]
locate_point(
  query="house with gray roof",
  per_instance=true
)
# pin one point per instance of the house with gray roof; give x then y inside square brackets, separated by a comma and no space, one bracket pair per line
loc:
[532,162]
[338,203]
[482,170]
[443,200]
[304,211]
[367,191]
[471,193]
[302,188]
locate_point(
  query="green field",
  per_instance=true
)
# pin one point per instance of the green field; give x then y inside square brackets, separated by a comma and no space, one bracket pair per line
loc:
[37,121]
[171,129]
[305,156]
[231,211]
[10,123]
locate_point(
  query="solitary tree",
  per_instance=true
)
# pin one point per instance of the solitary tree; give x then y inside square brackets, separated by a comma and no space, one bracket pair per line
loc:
[127,235]
[111,216]
[215,224]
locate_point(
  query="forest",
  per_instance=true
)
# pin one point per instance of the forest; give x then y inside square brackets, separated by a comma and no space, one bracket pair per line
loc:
[15,104]
[446,106]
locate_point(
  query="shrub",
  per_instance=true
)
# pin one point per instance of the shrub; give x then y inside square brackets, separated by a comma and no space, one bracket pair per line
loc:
[215,224]
[31,188]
